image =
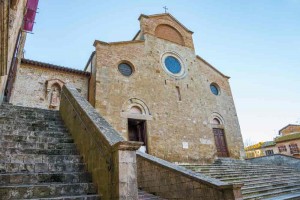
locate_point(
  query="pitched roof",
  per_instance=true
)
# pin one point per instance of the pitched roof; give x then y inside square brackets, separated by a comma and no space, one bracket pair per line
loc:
[268,144]
[287,126]
[293,136]
[55,67]
[166,14]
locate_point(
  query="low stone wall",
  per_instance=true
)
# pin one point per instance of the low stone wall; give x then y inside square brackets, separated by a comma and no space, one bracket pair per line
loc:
[277,159]
[110,159]
[170,181]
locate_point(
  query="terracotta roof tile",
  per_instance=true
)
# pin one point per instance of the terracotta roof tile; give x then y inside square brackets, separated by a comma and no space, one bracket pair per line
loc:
[55,67]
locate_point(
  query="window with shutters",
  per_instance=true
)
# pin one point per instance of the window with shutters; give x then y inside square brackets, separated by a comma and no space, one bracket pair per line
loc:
[294,148]
[282,148]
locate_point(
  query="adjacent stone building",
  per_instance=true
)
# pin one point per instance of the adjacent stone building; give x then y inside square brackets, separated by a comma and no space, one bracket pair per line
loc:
[12,38]
[152,89]
[287,143]
[39,84]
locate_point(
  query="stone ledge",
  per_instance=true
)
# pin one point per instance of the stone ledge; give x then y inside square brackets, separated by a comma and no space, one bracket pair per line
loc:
[186,172]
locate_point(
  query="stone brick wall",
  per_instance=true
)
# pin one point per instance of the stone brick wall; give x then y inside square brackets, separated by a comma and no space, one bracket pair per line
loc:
[177,130]
[110,159]
[30,87]
[168,33]
[150,23]
[290,129]
[174,182]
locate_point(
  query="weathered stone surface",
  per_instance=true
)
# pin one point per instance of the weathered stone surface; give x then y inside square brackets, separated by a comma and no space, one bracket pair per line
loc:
[38,157]
[277,159]
[33,85]
[175,182]
[262,178]
[178,130]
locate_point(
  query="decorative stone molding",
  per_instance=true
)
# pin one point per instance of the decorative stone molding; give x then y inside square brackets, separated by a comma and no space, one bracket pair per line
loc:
[138,103]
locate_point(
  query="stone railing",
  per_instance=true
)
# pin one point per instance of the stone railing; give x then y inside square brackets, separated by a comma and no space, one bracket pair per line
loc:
[110,159]
[170,181]
[277,159]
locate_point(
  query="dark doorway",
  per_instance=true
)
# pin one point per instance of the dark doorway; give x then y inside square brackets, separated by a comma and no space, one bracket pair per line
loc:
[220,141]
[137,131]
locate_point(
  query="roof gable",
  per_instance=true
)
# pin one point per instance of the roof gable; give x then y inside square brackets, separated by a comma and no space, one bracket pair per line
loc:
[166,15]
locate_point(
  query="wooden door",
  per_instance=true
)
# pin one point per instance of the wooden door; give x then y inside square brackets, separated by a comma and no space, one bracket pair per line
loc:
[220,141]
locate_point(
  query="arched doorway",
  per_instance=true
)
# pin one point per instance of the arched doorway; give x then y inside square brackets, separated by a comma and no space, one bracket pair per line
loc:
[219,136]
[137,128]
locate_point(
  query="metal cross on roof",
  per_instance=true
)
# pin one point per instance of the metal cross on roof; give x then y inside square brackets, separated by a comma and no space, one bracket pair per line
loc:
[165,7]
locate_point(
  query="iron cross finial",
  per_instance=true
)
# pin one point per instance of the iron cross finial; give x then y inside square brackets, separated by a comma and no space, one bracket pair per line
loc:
[165,7]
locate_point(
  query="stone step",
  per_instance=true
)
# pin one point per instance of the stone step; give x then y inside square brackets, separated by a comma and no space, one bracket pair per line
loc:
[290,196]
[46,190]
[37,139]
[274,193]
[37,145]
[81,197]
[41,167]
[35,178]
[267,186]
[30,122]
[23,127]
[208,167]
[250,177]
[258,181]
[17,115]
[277,188]
[55,134]
[10,107]
[238,173]
[230,171]
[20,151]
[41,158]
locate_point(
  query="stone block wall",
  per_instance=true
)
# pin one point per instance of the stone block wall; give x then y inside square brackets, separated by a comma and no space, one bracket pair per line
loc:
[32,87]
[174,182]
[178,130]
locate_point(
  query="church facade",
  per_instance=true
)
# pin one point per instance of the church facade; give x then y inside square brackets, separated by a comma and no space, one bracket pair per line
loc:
[153,89]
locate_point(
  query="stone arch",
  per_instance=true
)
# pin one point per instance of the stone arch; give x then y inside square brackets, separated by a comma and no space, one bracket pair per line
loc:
[216,119]
[167,32]
[136,107]
[53,92]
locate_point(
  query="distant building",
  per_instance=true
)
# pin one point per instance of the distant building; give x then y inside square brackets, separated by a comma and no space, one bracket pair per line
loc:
[287,143]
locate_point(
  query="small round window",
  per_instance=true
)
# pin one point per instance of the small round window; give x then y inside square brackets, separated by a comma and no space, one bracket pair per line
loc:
[214,89]
[173,64]
[125,69]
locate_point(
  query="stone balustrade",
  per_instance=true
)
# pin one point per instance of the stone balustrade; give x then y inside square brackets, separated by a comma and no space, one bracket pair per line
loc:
[110,159]
[170,181]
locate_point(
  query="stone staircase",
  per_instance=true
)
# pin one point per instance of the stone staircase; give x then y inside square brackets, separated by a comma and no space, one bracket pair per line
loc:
[260,181]
[39,160]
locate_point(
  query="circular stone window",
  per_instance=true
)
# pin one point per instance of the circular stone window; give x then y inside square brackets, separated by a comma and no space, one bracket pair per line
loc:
[214,89]
[125,69]
[172,65]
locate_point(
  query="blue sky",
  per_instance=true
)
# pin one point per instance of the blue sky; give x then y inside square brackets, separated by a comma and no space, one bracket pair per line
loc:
[256,43]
